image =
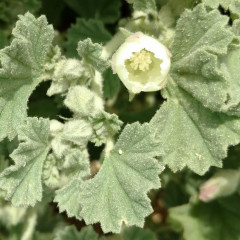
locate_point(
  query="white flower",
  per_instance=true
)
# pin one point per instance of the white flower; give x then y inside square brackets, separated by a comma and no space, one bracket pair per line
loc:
[142,63]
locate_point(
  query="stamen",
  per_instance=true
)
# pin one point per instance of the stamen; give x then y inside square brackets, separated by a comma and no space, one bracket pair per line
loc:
[141,60]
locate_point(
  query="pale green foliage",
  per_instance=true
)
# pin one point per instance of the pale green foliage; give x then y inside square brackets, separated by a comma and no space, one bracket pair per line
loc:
[230,63]
[91,54]
[50,174]
[71,233]
[216,221]
[21,70]
[77,131]
[22,181]
[116,188]
[104,126]
[192,135]
[77,163]
[59,146]
[143,5]
[66,72]
[83,29]
[68,198]
[83,101]
[232,5]
[201,37]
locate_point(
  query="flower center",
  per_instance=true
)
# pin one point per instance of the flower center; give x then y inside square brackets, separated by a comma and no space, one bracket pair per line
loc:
[141,60]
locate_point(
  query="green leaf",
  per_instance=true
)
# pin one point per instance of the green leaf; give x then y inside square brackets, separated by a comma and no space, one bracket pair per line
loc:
[216,221]
[22,65]
[83,101]
[114,195]
[105,126]
[192,135]
[232,5]
[78,132]
[68,196]
[143,5]
[22,181]
[111,84]
[230,63]
[91,54]
[83,29]
[201,37]
[71,233]
[135,233]
[107,11]
[50,175]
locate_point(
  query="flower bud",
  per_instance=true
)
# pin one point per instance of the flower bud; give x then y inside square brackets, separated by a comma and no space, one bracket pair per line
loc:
[142,63]
[223,183]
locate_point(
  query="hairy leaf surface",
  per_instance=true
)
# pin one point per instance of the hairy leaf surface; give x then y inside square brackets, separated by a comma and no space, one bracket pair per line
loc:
[232,5]
[192,135]
[201,37]
[67,197]
[115,194]
[91,54]
[22,181]
[22,65]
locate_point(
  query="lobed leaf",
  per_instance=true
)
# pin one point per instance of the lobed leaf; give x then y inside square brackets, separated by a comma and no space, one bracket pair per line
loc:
[22,181]
[22,65]
[114,195]
[67,197]
[192,135]
[201,37]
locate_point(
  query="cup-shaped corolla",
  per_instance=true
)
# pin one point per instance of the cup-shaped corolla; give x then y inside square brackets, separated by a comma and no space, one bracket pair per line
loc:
[142,63]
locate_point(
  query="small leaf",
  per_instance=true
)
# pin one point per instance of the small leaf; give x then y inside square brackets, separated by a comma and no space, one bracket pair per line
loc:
[83,101]
[22,181]
[83,29]
[22,65]
[114,195]
[78,132]
[91,54]
[105,125]
[67,197]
